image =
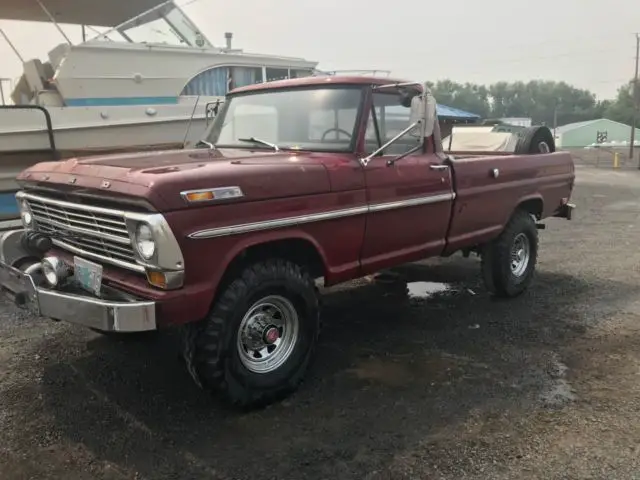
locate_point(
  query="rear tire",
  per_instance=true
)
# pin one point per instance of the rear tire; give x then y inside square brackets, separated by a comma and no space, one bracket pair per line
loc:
[509,262]
[255,345]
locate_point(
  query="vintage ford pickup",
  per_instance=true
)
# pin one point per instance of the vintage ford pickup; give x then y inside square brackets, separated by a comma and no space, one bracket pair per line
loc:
[297,180]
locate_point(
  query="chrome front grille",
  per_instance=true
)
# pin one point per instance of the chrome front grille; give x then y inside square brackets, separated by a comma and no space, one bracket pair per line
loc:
[85,230]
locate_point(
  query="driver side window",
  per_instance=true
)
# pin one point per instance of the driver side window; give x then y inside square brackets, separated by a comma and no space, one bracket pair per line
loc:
[390,118]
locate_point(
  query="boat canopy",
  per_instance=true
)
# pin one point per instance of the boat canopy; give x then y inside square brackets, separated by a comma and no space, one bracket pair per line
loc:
[106,13]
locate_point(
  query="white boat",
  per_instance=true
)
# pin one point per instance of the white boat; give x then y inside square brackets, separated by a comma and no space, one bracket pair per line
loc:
[143,82]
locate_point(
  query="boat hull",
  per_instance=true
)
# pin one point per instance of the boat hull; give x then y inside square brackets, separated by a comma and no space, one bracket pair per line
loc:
[25,139]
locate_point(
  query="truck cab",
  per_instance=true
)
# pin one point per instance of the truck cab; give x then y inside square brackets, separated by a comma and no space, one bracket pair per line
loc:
[320,177]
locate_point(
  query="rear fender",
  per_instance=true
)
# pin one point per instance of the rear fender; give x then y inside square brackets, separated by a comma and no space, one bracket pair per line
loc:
[534,204]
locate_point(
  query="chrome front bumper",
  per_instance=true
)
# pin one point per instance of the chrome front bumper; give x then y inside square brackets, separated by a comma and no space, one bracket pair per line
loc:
[126,315]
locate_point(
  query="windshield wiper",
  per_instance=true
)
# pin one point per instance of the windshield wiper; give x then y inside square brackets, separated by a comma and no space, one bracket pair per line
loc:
[262,142]
[204,143]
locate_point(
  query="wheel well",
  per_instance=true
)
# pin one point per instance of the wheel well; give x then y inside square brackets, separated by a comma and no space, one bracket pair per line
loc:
[297,250]
[533,206]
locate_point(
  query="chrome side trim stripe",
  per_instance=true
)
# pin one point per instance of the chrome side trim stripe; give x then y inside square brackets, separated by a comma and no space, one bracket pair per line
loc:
[319,217]
[279,223]
[413,202]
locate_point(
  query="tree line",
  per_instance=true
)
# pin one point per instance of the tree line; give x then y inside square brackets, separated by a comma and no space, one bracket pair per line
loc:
[545,102]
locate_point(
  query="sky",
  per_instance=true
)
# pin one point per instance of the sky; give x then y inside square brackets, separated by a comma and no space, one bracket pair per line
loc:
[589,44]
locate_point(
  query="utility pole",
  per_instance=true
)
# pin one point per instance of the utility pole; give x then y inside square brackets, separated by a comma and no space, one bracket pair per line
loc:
[635,102]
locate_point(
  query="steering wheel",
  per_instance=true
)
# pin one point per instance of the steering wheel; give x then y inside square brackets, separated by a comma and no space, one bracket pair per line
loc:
[339,130]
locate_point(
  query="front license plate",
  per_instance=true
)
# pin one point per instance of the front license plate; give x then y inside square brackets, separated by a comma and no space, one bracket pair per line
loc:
[87,274]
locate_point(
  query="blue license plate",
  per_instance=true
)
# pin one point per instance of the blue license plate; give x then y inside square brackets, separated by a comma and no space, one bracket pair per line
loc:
[88,275]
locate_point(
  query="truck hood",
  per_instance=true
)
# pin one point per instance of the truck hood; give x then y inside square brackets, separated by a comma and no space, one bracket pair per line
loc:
[160,176]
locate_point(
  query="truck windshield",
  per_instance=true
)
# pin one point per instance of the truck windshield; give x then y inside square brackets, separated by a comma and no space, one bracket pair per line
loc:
[320,119]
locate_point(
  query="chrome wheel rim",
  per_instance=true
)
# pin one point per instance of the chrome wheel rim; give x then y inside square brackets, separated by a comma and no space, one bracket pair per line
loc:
[520,254]
[268,334]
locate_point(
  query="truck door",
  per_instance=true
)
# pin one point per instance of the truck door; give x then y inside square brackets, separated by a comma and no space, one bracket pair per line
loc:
[410,201]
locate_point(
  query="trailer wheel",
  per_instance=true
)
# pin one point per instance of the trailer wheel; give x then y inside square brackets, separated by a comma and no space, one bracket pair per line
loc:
[256,343]
[538,139]
[509,262]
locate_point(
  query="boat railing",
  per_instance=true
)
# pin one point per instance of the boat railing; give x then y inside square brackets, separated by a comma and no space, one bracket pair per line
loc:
[384,73]
[47,118]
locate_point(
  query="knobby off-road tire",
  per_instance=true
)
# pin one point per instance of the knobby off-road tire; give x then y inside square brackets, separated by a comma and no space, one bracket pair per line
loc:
[509,262]
[224,353]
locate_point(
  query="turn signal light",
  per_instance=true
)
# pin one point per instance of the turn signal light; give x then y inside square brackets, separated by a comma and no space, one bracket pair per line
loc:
[211,194]
[157,279]
[199,196]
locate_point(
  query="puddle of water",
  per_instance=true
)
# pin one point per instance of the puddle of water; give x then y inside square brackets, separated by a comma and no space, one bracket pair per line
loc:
[389,373]
[426,289]
[559,392]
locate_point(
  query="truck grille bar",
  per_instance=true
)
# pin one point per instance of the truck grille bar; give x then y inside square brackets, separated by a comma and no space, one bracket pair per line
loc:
[93,232]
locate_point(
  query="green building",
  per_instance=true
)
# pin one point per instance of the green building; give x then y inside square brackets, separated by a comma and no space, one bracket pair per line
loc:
[582,134]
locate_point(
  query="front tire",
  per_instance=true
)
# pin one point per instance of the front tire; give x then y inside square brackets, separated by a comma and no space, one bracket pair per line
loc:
[256,343]
[509,262]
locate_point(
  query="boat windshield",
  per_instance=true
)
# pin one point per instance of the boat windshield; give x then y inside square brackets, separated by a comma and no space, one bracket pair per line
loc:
[165,24]
[318,119]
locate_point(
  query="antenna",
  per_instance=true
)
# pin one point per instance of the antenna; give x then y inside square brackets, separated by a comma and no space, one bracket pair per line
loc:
[186,134]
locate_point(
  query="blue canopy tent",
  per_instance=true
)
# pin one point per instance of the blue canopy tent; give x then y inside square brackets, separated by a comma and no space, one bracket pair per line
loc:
[456,115]
[445,113]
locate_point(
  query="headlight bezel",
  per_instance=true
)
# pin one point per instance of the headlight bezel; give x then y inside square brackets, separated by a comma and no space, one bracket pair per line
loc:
[167,255]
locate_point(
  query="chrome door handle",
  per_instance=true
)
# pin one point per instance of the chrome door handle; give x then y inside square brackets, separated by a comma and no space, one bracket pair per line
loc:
[438,167]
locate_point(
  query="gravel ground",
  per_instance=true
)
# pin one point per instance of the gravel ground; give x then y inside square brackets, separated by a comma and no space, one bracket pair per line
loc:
[456,386]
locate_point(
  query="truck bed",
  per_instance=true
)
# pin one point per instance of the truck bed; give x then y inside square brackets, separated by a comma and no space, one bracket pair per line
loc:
[488,187]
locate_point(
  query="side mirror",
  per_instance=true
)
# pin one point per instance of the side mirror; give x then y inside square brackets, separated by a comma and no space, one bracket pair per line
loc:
[418,114]
[423,110]
[431,114]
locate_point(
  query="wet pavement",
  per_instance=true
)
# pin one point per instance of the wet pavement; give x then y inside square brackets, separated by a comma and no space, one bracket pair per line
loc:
[419,375]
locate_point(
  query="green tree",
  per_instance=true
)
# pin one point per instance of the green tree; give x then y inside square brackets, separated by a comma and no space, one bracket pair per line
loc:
[468,96]
[621,109]
[545,102]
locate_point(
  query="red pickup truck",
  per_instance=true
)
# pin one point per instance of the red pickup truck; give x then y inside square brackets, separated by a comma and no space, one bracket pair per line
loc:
[294,181]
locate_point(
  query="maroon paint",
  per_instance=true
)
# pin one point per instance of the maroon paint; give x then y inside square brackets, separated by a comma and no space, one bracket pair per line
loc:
[287,184]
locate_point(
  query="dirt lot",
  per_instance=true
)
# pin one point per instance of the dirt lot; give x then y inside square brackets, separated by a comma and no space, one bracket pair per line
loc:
[457,386]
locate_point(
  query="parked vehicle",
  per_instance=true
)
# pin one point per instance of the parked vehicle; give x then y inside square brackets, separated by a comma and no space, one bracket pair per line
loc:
[294,180]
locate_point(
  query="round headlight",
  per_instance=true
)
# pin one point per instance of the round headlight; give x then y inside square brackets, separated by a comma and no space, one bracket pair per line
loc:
[145,243]
[25,213]
[54,270]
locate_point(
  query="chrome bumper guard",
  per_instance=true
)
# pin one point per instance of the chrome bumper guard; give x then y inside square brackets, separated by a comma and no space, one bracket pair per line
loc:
[104,315]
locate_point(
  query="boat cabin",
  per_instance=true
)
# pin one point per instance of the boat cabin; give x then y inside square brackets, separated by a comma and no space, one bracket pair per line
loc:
[142,52]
